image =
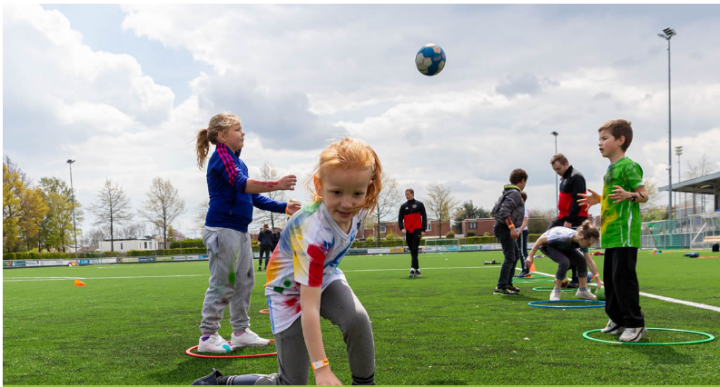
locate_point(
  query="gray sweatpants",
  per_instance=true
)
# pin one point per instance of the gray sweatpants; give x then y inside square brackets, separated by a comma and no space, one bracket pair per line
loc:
[339,305]
[231,279]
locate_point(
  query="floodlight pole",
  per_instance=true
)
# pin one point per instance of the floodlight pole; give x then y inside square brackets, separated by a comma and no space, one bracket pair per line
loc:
[667,34]
[557,213]
[70,162]
[678,152]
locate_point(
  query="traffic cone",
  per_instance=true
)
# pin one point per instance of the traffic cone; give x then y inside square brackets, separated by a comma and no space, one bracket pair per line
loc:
[80,283]
[532,267]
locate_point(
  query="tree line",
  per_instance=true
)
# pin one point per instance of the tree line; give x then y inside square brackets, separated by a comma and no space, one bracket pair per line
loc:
[38,216]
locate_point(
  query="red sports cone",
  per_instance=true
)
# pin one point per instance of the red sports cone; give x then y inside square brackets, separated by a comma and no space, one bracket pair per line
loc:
[80,283]
[532,267]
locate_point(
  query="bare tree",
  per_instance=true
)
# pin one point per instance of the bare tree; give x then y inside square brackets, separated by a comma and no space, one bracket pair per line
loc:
[268,172]
[701,167]
[651,187]
[133,231]
[388,199]
[94,237]
[163,205]
[201,213]
[440,203]
[112,207]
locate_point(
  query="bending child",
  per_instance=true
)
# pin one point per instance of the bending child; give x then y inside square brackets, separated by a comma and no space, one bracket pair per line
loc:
[563,246]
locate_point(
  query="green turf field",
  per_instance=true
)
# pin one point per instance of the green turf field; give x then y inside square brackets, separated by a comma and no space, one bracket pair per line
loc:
[131,324]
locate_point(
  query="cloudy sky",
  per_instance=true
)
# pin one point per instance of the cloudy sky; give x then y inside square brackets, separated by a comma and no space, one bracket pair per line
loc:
[124,90]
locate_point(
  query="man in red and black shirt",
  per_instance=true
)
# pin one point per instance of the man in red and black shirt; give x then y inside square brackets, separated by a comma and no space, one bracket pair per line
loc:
[413,222]
[570,213]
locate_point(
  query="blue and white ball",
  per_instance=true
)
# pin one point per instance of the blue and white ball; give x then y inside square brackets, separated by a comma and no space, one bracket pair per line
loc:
[430,60]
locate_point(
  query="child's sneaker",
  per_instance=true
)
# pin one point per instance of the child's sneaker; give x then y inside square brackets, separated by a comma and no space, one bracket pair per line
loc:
[209,380]
[214,344]
[412,273]
[612,328]
[418,273]
[585,295]
[248,339]
[513,288]
[505,292]
[633,335]
[555,295]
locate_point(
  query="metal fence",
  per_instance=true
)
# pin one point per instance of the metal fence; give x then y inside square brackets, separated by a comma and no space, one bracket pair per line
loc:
[693,231]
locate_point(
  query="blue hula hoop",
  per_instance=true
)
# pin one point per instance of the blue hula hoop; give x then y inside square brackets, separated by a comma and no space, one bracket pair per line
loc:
[594,304]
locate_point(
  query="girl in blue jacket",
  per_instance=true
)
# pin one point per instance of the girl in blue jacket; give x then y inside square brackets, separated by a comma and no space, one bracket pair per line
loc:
[232,198]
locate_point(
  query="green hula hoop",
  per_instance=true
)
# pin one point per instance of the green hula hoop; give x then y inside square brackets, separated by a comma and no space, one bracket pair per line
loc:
[550,288]
[536,281]
[708,339]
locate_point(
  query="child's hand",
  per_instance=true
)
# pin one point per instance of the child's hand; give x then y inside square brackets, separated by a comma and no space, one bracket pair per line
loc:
[600,283]
[287,183]
[619,194]
[529,261]
[293,206]
[325,377]
[589,200]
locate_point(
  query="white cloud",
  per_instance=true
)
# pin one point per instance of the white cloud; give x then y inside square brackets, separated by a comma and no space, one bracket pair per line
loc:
[300,75]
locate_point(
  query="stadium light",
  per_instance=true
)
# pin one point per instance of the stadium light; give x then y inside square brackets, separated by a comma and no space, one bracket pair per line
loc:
[70,162]
[667,34]
[557,213]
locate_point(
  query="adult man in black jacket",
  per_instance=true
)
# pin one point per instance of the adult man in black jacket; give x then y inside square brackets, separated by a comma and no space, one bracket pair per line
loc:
[570,213]
[413,222]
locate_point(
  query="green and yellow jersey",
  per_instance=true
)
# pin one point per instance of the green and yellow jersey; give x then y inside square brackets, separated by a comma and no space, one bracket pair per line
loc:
[621,224]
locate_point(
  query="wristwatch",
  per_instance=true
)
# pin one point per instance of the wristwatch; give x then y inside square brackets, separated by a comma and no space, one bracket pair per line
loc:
[320,364]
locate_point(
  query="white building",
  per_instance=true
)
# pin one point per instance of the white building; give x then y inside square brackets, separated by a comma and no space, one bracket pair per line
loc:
[129,244]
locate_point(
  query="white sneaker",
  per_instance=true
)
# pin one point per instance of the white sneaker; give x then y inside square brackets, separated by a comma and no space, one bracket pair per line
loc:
[412,272]
[612,328]
[633,335]
[585,295]
[248,339]
[214,344]
[555,295]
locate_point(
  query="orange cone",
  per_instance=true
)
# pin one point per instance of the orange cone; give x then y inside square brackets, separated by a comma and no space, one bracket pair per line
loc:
[80,283]
[532,267]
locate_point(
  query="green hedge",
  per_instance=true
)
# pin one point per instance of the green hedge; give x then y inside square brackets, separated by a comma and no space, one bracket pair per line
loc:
[195,243]
[33,255]
[162,252]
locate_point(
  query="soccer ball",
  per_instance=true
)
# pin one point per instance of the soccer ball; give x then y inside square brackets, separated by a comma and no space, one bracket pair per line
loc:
[430,60]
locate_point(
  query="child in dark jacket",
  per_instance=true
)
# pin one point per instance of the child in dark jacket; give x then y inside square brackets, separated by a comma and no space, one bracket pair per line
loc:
[508,212]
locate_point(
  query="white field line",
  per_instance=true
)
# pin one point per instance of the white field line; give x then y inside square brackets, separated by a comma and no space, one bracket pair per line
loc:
[34,279]
[658,297]
[424,268]
[663,298]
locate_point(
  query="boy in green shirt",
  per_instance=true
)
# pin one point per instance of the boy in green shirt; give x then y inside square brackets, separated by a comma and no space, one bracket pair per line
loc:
[620,230]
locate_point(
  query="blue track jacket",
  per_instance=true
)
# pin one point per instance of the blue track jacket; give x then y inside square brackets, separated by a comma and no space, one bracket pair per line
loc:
[230,206]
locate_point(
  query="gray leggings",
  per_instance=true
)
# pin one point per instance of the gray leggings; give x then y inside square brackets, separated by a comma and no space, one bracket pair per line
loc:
[564,258]
[339,305]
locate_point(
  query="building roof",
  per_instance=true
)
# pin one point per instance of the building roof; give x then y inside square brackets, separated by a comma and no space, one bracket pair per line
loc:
[707,184]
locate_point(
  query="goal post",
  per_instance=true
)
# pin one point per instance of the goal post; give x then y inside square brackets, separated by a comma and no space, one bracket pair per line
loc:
[442,245]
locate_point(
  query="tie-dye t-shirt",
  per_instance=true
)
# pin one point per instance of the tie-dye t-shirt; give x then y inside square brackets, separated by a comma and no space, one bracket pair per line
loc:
[309,251]
[621,223]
